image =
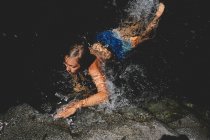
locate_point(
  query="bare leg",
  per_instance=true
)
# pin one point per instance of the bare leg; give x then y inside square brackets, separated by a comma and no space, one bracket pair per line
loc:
[127,32]
[152,25]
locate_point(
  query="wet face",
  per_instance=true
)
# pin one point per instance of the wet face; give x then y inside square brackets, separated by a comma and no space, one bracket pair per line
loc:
[72,64]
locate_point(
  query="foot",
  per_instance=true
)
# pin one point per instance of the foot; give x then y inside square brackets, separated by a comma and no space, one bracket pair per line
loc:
[153,24]
[160,10]
[127,34]
[155,20]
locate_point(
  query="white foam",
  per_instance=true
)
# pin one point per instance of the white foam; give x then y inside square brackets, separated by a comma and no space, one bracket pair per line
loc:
[115,98]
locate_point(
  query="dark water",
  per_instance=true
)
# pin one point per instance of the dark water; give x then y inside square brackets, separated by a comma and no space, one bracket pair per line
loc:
[176,60]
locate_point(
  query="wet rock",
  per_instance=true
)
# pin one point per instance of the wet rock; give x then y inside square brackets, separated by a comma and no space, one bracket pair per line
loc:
[127,123]
[26,123]
[168,137]
[167,110]
[180,118]
[124,123]
[131,131]
[191,127]
[137,114]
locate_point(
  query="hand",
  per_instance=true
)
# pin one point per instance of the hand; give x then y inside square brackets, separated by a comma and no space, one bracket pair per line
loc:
[67,110]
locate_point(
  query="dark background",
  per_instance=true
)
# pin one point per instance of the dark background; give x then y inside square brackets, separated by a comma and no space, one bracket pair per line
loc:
[34,34]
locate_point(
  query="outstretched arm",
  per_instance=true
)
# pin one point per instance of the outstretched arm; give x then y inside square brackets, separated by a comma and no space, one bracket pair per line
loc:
[99,97]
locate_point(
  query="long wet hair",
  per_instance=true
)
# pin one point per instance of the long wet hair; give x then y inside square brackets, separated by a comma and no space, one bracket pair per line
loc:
[80,48]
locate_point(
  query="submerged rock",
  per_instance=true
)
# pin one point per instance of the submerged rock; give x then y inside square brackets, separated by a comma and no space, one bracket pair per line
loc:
[127,123]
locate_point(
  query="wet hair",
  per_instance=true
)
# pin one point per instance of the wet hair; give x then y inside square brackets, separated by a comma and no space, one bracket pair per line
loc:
[80,48]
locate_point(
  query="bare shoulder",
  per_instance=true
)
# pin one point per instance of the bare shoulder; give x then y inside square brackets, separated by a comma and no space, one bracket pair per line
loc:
[95,67]
[100,51]
[98,76]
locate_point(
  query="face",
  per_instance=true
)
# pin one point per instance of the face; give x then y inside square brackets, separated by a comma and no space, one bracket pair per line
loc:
[72,64]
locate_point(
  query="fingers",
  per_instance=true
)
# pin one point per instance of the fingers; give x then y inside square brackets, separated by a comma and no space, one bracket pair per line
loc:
[64,113]
[61,115]
[57,116]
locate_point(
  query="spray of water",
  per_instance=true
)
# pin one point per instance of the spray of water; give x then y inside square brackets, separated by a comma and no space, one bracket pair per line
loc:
[116,100]
[132,82]
[141,10]
[130,88]
[136,85]
[136,16]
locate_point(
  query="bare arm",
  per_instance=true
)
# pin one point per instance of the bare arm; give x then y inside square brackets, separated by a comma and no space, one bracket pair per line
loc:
[99,97]
[99,80]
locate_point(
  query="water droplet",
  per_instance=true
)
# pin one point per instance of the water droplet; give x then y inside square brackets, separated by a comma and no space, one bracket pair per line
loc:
[15,36]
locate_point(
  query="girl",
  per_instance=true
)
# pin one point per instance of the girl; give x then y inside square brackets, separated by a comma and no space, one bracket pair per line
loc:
[120,41]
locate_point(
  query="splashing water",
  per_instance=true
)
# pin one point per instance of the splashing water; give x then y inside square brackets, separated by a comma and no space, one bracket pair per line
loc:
[132,84]
[130,87]
[116,100]
[136,85]
[136,16]
[141,10]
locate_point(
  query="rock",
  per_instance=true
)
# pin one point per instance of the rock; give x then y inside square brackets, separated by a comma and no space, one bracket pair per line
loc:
[137,114]
[26,123]
[166,110]
[127,123]
[131,131]
[190,127]
[179,118]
